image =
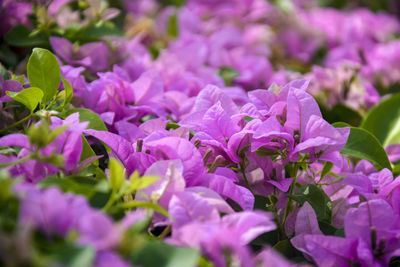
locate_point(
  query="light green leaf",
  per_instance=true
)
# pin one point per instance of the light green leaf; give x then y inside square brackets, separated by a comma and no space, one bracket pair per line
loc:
[143,204]
[117,174]
[68,91]
[137,182]
[95,122]
[30,97]
[383,121]
[44,72]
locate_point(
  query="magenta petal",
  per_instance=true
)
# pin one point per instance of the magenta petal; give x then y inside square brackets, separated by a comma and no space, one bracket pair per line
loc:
[63,48]
[331,251]
[120,146]
[187,207]
[212,197]
[377,213]
[306,221]
[218,124]
[210,95]
[300,107]
[148,88]
[227,188]
[178,148]
[20,140]
[250,224]
[171,182]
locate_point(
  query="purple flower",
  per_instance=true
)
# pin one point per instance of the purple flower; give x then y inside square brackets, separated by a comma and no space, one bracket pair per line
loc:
[93,56]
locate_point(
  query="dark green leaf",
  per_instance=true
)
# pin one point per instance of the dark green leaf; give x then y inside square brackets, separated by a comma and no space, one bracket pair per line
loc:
[172,2]
[159,254]
[68,185]
[261,202]
[30,97]
[286,248]
[75,256]
[383,121]
[20,35]
[341,112]
[363,145]
[44,72]
[327,168]
[318,200]
[95,122]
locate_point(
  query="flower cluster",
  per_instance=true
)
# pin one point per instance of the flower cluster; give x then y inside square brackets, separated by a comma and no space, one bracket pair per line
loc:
[199,133]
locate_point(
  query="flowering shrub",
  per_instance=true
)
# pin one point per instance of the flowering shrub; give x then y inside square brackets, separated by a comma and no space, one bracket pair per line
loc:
[199,133]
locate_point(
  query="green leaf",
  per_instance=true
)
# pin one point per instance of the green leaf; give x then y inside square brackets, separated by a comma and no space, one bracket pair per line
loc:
[363,145]
[143,204]
[44,72]
[74,256]
[286,248]
[137,182]
[341,112]
[172,26]
[95,122]
[172,2]
[68,185]
[228,74]
[383,121]
[117,174]
[171,125]
[69,92]
[248,118]
[30,97]
[87,151]
[261,202]
[159,254]
[20,35]
[326,169]
[318,200]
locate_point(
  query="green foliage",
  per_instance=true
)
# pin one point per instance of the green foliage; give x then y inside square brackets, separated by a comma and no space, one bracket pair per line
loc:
[68,92]
[172,26]
[228,74]
[117,174]
[341,112]
[30,97]
[44,72]
[41,135]
[383,121]
[318,200]
[21,36]
[363,145]
[172,2]
[158,254]
[95,122]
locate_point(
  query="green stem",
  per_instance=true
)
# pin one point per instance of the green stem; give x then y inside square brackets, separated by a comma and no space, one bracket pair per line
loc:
[166,231]
[110,202]
[289,201]
[17,123]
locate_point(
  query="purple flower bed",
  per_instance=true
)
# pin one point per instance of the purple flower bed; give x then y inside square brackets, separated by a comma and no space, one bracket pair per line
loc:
[199,133]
